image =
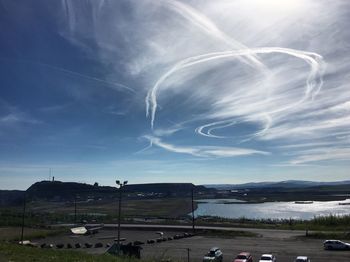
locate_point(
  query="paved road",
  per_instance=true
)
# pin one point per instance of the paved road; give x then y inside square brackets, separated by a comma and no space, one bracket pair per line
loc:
[266,233]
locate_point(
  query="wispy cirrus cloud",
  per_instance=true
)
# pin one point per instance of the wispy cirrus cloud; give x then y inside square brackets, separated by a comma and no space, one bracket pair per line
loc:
[322,154]
[15,118]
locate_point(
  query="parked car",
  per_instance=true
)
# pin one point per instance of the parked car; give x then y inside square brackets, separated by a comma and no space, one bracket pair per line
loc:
[243,257]
[214,254]
[302,259]
[267,258]
[335,244]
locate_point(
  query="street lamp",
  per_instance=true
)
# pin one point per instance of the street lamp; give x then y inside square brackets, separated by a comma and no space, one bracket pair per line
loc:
[120,185]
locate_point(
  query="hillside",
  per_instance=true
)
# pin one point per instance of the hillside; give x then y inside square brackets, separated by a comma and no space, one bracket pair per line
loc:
[51,190]
[11,197]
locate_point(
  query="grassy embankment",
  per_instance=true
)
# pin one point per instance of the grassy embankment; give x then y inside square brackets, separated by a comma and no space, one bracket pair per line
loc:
[17,253]
[14,233]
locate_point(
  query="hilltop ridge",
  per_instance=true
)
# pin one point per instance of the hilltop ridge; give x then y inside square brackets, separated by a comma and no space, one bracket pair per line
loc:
[68,190]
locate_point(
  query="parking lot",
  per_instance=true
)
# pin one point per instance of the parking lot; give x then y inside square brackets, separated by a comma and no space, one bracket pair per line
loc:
[285,250]
[283,244]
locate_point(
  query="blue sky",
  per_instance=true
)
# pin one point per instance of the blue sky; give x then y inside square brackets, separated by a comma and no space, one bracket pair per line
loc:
[171,91]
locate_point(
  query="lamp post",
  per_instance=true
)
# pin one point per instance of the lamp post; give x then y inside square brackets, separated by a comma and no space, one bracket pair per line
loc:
[120,185]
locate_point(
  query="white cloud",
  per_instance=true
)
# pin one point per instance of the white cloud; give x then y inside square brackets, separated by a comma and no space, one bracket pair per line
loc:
[204,151]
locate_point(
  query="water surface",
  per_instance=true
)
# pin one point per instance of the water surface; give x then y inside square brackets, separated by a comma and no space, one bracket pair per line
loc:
[270,210]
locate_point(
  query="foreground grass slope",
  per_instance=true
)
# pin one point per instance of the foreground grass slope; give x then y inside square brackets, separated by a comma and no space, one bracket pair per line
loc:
[14,252]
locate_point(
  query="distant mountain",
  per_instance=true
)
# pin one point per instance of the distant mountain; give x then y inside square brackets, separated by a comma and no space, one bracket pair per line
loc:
[280,184]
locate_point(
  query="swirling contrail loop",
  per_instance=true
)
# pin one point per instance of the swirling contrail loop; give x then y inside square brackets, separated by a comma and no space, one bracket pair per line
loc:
[313,59]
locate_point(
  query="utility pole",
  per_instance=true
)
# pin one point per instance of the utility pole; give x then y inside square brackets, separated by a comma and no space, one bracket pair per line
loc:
[192,193]
[23,215]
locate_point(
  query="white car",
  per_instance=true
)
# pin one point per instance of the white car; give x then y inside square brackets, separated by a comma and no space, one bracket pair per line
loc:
[214,254]
[302,259]
[336,245]
[267,258]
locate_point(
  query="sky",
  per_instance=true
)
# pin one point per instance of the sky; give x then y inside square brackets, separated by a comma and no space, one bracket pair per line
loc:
[205,92]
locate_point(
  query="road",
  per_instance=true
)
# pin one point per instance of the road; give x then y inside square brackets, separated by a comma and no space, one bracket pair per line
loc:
[266,233]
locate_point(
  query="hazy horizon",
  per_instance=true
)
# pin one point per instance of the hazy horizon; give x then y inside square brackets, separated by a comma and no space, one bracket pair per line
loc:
[205,92]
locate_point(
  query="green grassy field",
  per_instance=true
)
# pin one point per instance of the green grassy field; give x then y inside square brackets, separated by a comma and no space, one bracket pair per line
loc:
[14,233]
[171,207]
[45,213]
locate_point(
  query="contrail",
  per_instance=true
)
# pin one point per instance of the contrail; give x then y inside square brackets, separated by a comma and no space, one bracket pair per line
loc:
[206,130]
[268,123]
[146,148]
[118,85]
[214,126]
[70,72]
[205,151]
[313,83]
